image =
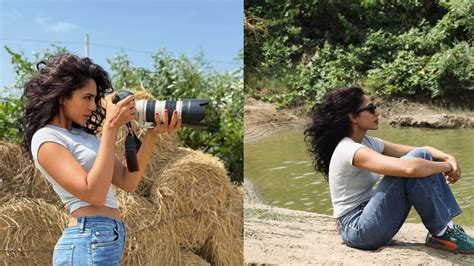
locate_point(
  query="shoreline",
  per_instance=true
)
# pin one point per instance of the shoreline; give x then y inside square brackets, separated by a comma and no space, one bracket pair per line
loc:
[275,235]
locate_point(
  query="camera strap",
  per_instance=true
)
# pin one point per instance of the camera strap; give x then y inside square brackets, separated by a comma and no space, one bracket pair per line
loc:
[132,145]
[138,143]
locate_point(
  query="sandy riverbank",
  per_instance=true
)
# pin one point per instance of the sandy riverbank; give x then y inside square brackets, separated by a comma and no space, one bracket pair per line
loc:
[281,236]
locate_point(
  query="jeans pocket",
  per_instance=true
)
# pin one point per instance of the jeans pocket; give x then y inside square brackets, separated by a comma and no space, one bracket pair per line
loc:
[62,255]
[104,236]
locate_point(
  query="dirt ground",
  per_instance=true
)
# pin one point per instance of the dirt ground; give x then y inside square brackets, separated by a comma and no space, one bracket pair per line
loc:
[283,237]
[262,119]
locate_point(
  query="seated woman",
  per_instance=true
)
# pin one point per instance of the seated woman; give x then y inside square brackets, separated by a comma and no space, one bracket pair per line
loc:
[368,218]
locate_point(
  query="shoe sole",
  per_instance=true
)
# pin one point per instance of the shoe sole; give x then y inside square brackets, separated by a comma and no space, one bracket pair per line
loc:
[457,251]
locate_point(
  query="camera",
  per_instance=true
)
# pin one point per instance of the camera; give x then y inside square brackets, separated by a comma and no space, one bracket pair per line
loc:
[190,110]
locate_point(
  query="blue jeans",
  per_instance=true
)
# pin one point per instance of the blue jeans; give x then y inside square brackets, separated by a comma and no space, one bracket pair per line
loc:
[374,223]
[94,241]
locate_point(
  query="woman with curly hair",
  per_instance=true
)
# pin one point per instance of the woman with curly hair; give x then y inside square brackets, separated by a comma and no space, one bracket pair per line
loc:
[62,113]
[369,217]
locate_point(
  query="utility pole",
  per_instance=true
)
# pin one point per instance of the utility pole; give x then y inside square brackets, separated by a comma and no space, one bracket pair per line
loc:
[87,45]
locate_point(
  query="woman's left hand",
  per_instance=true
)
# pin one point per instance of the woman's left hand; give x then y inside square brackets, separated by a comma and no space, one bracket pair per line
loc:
[165,127]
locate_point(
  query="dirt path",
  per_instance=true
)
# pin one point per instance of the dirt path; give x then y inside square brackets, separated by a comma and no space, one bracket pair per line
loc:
[281,236]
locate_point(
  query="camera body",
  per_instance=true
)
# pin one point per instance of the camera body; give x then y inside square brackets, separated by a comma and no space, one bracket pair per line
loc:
[191,111]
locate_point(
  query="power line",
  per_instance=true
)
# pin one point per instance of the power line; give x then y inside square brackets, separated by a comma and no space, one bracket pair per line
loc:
[105,46]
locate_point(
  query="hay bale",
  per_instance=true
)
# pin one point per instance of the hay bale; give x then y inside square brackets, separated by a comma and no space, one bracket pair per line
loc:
[149,240]
[10,158]
[226,244]
[7,198]
[164,149]
[194,192]
[29,230]
[20,177]
[189,258]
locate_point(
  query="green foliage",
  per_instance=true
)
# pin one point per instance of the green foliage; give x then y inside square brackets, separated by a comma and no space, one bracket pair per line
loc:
[170,77]
[390,47]
[402,76]
[9,111]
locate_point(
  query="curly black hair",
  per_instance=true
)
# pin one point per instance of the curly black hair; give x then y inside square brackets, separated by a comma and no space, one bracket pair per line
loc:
[58,77]
[330,123]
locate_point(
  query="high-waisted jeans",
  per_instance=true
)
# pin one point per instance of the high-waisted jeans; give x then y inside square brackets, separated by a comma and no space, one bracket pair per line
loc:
[374,223]
[94,241]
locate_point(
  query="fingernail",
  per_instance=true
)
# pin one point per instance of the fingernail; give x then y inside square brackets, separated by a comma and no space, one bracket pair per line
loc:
[166,110]
[175,111]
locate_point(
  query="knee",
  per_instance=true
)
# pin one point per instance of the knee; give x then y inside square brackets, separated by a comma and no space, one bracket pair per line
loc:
[368,245]
[366,241]
[421,152]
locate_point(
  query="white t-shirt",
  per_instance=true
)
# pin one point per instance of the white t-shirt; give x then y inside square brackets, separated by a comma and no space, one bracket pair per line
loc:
[83,147]
[350,186]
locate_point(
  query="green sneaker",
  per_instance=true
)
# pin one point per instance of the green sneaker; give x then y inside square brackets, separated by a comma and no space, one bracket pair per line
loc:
[454,240]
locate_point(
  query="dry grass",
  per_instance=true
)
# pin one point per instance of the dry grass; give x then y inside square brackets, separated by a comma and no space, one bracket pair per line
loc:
[29,230]
[20,178]
[184,211]
[194,190]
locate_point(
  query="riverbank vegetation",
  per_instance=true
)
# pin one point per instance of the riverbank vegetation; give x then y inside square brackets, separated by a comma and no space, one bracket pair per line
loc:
[295,51]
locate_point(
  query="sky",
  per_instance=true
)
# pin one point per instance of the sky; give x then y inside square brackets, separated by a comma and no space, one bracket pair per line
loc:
[139,28]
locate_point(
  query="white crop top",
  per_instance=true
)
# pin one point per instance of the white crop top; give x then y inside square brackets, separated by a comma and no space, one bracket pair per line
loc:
[83,147]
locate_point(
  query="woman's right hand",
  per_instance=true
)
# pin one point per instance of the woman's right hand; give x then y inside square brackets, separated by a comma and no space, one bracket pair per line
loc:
[121,113]
[455,174]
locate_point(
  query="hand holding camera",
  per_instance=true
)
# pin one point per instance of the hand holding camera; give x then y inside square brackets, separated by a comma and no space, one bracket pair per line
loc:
[120,112]
[164,126]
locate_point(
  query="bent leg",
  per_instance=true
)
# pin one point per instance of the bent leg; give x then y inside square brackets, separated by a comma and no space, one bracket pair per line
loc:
[388,208]
[431,197]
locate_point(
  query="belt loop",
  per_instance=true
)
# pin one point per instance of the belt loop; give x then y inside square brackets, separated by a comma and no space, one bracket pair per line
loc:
[117,225]
[81,223]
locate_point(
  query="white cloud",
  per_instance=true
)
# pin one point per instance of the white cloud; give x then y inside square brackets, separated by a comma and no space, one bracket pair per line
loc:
[55,26]
[62,27]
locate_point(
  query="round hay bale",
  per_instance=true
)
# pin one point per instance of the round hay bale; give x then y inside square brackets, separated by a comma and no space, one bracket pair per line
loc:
[29,230]
[11,159]
[20,177]
[150,240]
[163,150]
[226,245]
[195,193]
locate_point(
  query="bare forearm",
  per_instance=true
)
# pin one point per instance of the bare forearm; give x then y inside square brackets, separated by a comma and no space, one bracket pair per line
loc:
[437,154]
[423,168]
[100,176]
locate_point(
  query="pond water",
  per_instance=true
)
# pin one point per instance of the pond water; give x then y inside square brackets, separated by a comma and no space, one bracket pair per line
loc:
[282,172]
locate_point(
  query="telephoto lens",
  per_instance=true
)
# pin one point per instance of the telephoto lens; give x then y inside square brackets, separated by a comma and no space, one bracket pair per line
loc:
[191,111]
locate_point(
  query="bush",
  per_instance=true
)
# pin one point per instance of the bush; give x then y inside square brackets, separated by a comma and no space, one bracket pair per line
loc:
[399,48]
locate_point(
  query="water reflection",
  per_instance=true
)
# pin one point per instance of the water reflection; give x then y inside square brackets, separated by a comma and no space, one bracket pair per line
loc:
[284,176]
